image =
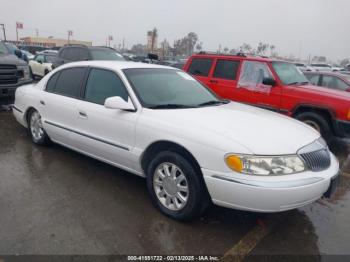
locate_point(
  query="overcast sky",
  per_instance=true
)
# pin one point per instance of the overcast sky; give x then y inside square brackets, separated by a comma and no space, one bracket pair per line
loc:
[298,27]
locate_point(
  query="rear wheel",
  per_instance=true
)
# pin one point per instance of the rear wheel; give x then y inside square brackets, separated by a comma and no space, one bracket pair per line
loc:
[318,122]
[46,72]
[175,187]
[36,129]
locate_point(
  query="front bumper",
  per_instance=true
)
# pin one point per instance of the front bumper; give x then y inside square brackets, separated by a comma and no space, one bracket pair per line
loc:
[9,90]
[269,194]
[342,128]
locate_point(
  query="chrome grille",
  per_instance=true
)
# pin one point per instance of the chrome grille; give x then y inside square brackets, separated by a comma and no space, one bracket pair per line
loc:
[318,160]
[8,74]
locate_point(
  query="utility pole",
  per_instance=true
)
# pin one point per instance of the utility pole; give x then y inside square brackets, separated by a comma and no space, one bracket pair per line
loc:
[3,29]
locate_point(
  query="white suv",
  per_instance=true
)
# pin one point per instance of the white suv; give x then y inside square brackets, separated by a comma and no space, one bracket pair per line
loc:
[160,123]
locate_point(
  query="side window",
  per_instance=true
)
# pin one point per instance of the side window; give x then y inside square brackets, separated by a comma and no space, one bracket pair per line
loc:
[83,54]
[72,54]
[314,79]
[69,82]
[252,75]
[63,53]
[226,69]
[40,58]
[50,86]
[329,81]
[200,66]
[102,84]
[334,82]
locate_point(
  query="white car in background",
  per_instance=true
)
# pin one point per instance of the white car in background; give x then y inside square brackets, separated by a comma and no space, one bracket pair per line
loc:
[160,123]
[304,67]
[321,67]
[41,65]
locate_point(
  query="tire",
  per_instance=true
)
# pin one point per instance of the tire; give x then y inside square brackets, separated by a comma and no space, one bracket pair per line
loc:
[37,132]
[46,72]
[318,122]
[196,196]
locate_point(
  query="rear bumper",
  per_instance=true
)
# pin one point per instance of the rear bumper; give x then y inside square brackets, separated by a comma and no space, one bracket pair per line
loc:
[9,90]
[342,128]
[269,194]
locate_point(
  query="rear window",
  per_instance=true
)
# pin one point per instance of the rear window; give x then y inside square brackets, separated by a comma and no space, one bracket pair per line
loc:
[200,66]
[226,69]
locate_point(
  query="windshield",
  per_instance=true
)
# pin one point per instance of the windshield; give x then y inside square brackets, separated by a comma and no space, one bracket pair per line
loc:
[288,73]
[3,49]
[106,54]
[167,87]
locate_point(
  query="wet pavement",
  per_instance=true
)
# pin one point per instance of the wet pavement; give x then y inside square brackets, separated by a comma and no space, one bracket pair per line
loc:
[56,201]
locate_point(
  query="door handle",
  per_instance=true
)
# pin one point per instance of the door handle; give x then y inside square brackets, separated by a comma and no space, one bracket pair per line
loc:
[42,102]
[82,114]
[213,81]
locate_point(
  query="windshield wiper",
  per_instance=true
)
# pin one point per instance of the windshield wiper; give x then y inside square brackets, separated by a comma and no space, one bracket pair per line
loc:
[214,102]
[298,83]
[170,106]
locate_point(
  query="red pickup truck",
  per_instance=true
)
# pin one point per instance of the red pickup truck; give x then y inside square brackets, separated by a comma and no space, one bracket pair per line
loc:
[275,85]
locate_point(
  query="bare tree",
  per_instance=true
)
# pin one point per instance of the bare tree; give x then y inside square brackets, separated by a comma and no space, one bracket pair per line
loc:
[262,48]
[199,47]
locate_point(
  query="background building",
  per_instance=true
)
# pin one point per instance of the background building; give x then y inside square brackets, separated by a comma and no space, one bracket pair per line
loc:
[50,42]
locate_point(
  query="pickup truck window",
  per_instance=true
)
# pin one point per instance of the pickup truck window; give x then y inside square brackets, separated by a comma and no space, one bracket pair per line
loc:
[200,66]
[226,69]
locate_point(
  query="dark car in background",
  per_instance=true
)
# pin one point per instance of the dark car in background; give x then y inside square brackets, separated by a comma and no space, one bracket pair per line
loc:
[73,53]
[329,79]
[13,71]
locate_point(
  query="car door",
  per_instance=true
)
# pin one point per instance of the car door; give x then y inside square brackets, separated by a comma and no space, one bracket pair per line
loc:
[200,68]
[36,65]
[224,78]
[250,87]
[108,134]
[58,103]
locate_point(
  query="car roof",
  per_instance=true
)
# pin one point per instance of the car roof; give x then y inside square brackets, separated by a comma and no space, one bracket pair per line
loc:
[116,65]
[240,57]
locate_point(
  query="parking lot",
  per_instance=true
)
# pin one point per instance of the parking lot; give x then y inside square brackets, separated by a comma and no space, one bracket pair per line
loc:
[56,201]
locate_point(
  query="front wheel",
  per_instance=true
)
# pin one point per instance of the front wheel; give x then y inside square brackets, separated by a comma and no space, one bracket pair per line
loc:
[175,187]
[318,122]
[36,129]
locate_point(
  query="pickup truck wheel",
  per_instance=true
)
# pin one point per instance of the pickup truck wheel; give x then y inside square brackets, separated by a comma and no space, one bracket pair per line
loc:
[317,122]
[175,187]
[36,129]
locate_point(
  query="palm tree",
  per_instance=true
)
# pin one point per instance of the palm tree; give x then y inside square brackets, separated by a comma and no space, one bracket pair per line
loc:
[154,35]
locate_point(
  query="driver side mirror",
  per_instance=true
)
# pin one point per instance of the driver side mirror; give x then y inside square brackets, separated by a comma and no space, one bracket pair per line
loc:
[269,81]
[116,102]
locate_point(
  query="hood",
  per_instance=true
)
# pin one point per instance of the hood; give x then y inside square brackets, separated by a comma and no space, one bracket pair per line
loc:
[260,131]
[326,91]
[10,59]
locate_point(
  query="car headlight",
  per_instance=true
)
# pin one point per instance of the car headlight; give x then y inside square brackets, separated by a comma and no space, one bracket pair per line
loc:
[26,72]
[265,165]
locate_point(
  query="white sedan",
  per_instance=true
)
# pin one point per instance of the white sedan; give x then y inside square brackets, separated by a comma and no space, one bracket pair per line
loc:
[193,148]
